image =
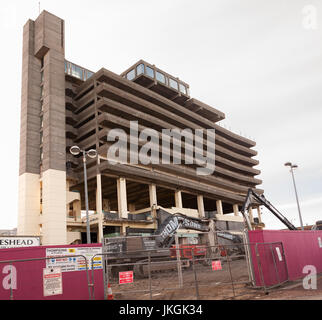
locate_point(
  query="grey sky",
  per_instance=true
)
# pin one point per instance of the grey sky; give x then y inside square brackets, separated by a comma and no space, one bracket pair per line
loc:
[253,60]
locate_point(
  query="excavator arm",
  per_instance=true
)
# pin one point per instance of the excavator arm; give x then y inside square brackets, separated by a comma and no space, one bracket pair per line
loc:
[253,197]
[166,231]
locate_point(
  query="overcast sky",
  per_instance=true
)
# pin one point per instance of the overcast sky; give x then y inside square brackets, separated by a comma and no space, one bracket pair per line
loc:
[259,62]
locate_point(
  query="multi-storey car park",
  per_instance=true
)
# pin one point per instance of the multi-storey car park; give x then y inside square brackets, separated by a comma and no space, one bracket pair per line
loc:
[64,105]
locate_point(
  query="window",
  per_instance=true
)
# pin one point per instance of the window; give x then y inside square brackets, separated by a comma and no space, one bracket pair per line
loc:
[183,89]
[173,84]
[140,69]
[77,72]
[89,74]
[66,67]
[149,72]
[42,76]
[160,77]
[130,75]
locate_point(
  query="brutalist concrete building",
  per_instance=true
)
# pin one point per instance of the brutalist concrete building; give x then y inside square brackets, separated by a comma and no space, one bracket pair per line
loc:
[63,104]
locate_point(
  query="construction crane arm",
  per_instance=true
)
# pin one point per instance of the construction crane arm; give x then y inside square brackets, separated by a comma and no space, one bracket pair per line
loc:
[253,197]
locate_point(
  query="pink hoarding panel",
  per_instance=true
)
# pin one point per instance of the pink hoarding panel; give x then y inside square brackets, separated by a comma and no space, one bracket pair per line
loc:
[27,277]
[301,248]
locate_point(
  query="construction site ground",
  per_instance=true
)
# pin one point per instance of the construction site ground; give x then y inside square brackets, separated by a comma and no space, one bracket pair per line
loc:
[211,285]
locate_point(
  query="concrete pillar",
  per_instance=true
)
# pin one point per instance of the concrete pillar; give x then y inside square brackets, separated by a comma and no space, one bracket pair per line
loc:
[212,239]
[250,213]
[77,209]
[178,199]
[29,205]
[153,200]
[236,211]
[54,225]
[122,198]
[123,229]
[259,213]
[153,194]
[219,207]
[201,207]
[99,208]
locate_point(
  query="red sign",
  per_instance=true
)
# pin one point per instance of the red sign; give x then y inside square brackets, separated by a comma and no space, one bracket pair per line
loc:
[216,265]
[126,277]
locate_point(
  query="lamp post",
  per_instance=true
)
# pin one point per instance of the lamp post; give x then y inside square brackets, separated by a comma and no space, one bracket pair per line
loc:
[75,150]
[293,166]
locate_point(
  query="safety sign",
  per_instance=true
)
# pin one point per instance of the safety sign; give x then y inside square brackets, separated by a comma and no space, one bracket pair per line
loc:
[73,259]
[52,281]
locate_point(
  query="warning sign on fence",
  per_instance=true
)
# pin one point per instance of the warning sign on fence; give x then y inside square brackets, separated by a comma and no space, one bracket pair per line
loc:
[216,265]
[52,281]
[125,277]
[66,259]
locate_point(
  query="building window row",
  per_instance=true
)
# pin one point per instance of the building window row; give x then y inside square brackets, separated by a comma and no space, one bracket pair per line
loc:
[159,76]
[77,72]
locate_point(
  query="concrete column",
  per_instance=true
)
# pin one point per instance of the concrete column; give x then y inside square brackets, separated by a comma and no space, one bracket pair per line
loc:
[250,213]
[54,225]
[201,207]
[236,211]
[259,215]
[77,209]
[99,208]
[153,194]
[178,199]
[153,200]
[122,198]
[123,229]
[29,205]
[219,207]
[212,239]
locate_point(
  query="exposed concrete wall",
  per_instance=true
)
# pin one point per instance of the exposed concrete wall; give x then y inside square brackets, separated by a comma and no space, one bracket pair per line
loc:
[29,205]
[54,207]
[30,104]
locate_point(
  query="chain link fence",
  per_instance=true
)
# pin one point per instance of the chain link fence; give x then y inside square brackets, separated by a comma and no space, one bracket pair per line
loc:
[186,271]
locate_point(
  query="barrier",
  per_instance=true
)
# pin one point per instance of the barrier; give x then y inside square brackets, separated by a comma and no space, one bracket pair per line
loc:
[193,272]
[300,248]
[22,271]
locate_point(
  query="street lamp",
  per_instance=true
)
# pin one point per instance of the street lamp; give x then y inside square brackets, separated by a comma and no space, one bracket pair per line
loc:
[294,166]
[75,151]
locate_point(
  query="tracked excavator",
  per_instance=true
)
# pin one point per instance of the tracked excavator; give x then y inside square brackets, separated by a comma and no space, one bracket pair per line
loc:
[134,249]
[254,198]
[159,247]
